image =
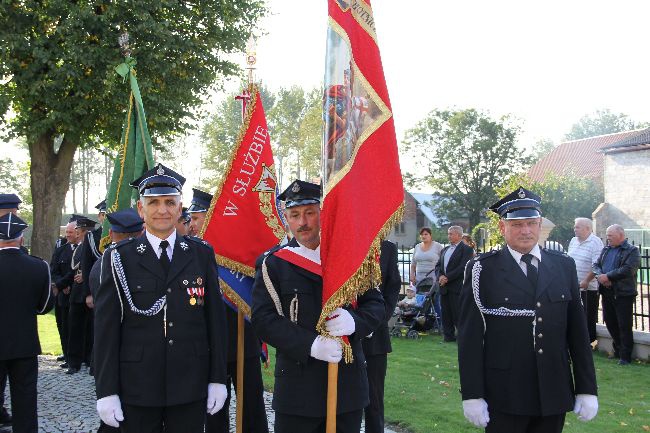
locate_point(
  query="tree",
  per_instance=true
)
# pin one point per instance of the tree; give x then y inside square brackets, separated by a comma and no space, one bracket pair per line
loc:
[541,148]
[468,154]
[58,61]
[601,122]
[564,198]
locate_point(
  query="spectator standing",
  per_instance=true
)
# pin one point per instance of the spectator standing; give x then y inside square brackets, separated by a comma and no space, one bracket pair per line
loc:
[450,269]
[615,271]
[585,248]
[24,293]
[425,257]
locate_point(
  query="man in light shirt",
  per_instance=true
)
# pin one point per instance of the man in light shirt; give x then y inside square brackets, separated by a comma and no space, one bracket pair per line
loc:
[585,248]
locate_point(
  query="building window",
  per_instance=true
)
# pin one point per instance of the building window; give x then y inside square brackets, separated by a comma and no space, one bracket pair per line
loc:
[400,228]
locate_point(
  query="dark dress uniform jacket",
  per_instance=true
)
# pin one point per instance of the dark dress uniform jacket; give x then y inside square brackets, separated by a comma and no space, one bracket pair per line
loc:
[300,380]
[391,281]
[61,272]
[501,360]
[169,358]
[24,293]
[455,267]
[252,344]
[90,254]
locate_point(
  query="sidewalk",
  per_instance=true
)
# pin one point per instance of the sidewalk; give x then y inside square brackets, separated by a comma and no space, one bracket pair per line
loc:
[66,403]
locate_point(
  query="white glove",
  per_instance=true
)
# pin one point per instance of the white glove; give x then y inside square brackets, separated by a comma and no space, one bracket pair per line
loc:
[217,394]
[340,323]
[110,410]
[586,406]
[476,412]
[326,349]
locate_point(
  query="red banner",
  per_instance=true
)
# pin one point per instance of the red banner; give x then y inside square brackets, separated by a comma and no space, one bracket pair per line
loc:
[243,219]
[363,191]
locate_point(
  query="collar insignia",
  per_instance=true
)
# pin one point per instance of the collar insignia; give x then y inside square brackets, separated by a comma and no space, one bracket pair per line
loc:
[184,246]
[141,248]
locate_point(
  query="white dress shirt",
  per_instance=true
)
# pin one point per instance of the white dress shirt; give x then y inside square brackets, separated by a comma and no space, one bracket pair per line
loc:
[155,243]
[535,252]
[308,253]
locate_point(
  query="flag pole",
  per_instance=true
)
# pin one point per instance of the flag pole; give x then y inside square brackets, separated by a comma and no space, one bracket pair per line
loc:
[332,393]
[250,61]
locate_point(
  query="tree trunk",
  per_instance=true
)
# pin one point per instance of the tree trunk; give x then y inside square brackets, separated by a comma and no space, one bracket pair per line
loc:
[50,179]
[474,219]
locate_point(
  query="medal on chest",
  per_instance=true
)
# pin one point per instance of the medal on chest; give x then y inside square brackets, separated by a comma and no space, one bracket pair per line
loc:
[196,292]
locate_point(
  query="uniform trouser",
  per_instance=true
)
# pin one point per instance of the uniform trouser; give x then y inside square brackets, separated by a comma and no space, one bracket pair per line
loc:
[3,385]
[61,314]
[182,418]
[374,412]
[617,312]
[590,300]
[506,423]
[79,335]
[450,305]
[23,377]
[349,422]
[254,410]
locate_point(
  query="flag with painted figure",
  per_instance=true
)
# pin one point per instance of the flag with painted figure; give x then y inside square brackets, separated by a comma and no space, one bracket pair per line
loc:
[243,219]
[362,183]
[135,154]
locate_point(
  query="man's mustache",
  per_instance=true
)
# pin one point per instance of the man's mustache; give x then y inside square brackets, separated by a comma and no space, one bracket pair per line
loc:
[303,229]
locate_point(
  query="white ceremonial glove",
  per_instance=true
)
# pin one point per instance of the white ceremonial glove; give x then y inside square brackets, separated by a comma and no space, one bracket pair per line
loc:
[586,406]
[326,349]
[476,412]
[217,394]
[340,323]
[110,410]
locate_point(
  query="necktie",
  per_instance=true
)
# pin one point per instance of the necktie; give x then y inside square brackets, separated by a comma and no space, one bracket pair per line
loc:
[164,258]
[531,270]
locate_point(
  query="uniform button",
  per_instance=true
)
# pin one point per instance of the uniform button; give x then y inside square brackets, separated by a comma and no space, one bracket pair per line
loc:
[295,290]
[171,342]
[169,290]
[539,319]
[539,304]
[171,324]
[539,335]
[505,299]
[540,351]
[562,296]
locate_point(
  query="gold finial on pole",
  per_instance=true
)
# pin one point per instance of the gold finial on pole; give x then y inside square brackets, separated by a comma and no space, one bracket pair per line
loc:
[123,40]
[251,57]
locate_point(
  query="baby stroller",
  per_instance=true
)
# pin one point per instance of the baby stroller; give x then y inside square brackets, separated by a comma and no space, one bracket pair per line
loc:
[420,318]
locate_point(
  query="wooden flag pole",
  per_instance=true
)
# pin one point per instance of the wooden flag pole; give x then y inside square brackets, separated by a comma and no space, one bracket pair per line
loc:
[240,372]
[332,393]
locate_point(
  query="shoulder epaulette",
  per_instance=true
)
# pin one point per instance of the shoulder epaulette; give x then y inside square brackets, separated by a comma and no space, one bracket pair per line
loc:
[199,241]
[486,254]
[36,257]
[120,243]
[274,249]
[555,252]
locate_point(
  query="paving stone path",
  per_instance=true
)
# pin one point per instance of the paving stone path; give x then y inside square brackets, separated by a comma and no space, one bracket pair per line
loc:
[66,403]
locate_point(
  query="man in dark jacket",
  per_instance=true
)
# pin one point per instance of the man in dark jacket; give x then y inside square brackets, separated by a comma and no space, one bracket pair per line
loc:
[24,293]
[287,303]
[522,331]
[377,345]
[450,270]
[615,271]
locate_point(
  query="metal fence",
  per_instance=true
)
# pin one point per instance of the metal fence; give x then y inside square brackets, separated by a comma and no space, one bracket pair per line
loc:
[641,313]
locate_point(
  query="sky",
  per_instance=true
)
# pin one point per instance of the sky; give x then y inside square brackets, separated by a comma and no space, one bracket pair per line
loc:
[546,63]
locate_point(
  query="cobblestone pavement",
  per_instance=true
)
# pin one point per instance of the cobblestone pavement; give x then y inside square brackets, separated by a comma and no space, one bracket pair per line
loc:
[66,403]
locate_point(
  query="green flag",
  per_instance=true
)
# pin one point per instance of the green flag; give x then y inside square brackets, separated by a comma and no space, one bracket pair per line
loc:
[135,155]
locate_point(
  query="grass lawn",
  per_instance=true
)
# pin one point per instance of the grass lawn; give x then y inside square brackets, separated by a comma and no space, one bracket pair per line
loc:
[422,388]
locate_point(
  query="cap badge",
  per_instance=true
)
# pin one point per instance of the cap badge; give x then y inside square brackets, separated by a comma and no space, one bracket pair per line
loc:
[295,187]
[160,170]
[521,193]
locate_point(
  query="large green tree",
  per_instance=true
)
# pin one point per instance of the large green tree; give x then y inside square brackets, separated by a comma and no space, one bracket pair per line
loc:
[601,122]
[467,154]
[57,68]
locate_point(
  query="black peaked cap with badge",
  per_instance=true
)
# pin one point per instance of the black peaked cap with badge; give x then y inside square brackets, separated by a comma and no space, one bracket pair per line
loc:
[200,201]
[9,201]
[125,221]
[11,227]
[160,180]
[185,216]
[74,218]
[300,193]
[85,222]
[519,204]
[101,206]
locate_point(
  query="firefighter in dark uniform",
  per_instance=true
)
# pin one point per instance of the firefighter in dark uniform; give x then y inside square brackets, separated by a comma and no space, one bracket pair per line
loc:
[79,332]
[160,319]
[287,303]
[522,331]
[24,292]
[376,346]
[9,203]
[60,268]
[255,420]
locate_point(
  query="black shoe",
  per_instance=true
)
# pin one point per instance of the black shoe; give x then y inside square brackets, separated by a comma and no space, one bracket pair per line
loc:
[64,365]
[72,370]
[5,416]
[623,362]
[60,358]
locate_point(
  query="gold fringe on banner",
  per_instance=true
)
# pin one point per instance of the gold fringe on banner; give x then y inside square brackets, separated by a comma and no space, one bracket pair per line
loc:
[367,276]
[235,266]
[235,298]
